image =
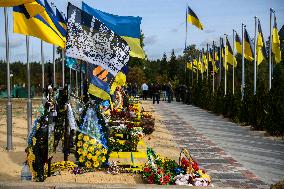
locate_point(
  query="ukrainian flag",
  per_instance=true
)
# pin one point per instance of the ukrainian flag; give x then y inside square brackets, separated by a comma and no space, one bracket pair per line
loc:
[98,82]
[53,20]
[60,18]
[193,19]
[12,3]
[276,42]
[238,44]
[248,47]
[229,53]
[261,52]
[205,61]
[36,26]
[127,27]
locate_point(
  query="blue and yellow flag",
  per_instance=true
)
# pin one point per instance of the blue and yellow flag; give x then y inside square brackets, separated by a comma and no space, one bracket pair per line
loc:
[12,3]
[127,27]
[230,58]
[193,19]
[276,43]
[248,47]
[238,44]
[261,50]
[38,26]
[60,18]
[53,20]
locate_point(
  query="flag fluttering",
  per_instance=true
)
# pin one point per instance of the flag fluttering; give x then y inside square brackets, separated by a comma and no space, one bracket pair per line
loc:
[276,43]
[90,40]
[193,19]
[127,27]
[12,3]
[238,44]
[248,54]
[38,26]
[230,55]
[260,48]
[61,19]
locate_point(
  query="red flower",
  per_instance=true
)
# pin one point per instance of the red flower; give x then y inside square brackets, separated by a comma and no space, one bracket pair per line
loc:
[195,166]
[147,169]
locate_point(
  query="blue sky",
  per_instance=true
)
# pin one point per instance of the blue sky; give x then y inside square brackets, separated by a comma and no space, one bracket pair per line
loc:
[163,23]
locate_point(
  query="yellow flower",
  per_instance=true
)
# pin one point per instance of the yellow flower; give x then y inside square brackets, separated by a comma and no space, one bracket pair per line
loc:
[79,144]
[84,153]
[99,146]
[104,151]
[91,149]
[93,141]
[86,138]
[85,146]
[34,141]
[98,153]
[80,136]
[81,159]
[96,164]
[89,156]
[94,158]
[80,151]
[103,159]
[88,164]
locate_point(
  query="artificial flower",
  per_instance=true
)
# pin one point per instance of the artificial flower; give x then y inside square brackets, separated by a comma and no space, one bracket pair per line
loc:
[89,156]
[99,146]
[103,159]
[79,143]
[86,138]
[88,164]
[95,158]
[96,164]
[85,146]
[84,153]
[80,136]
[104,151]
[81,159]
[93,141]
[91,149]
[80,151]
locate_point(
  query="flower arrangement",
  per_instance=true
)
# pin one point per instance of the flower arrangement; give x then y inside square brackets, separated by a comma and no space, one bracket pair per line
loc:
[62,166]
[91,153]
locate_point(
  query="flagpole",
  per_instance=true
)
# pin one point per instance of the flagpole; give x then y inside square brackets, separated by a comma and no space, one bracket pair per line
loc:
[197,72]
[255,42]
[191,71]
[243,61]
[29,102]
[233,62]
[202,65]
[9,103]
[77,90]
[54,71]
[63,67]
[225,63]
[220,59]
[185,28]
[207,61]
[270,48]
[70,80]
[213,87]
[42,69]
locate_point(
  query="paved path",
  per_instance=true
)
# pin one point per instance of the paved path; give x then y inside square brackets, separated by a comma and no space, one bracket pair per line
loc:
[233,155]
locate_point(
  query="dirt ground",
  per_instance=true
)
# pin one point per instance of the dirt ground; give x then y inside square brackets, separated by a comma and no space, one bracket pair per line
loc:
[11,162]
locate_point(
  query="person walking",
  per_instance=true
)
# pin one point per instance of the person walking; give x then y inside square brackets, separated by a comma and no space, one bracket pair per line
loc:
[156,93]
[169,92]
[144,89]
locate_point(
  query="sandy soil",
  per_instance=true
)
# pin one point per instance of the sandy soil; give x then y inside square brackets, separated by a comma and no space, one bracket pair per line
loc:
[12,162]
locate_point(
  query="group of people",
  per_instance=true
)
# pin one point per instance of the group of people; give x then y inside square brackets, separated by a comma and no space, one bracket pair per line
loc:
[154,91]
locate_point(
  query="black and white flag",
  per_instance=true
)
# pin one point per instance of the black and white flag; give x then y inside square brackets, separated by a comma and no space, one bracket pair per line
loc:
[90,40]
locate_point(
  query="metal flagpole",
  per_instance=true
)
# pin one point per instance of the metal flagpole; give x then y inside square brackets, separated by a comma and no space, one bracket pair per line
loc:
[270,48]
[54,71]
[29,103]
[255,42]
[220,59]
[70,79]
[243,61]
[234,62]
[77,90]
[213,85]
[9,103]
[197,72]
[207,61]
[42,70]
[225,64]
[185,28]
[202,64]
[191,71]
[63,67]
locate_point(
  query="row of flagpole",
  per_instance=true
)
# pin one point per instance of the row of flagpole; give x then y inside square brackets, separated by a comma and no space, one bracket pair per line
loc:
[243,57]
[29,100]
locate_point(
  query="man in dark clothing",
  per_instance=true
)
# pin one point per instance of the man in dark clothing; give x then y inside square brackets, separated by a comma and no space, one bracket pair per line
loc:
[156,93]
[169,92]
